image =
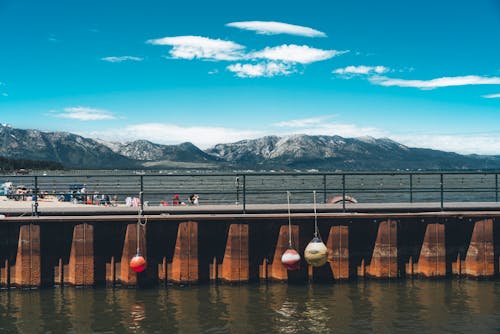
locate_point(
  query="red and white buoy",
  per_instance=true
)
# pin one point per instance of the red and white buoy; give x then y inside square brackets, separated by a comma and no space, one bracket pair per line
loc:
[290,258]
[138,263]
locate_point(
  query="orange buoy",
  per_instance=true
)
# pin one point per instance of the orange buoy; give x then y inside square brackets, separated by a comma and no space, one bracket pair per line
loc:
[138,263]
[291,259]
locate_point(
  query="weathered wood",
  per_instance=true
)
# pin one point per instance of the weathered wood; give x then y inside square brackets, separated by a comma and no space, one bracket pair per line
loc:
[432,259]
[276,270]
[338,251]
[81,260]
[185,268]
[27,269]
[384,262]
[480,259]
[235,265]
[127,275]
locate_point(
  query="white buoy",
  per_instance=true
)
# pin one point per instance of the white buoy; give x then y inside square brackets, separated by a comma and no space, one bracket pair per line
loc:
[316,253]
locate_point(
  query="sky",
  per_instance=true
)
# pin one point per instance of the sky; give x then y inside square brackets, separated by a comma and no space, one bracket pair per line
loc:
[423,73]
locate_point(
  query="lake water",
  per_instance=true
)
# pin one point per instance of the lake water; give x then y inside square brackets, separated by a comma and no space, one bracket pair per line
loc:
[418,306]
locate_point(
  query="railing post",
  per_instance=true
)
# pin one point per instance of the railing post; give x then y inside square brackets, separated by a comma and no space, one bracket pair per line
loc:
[442,191]
[35,194]
[237,182]
[324,188]
[411,188]
[244,193]
[496,187]
[343,192]
[141,195]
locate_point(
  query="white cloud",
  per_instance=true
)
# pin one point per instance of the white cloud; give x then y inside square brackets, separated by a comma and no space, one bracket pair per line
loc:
[436,83]
[319,126]
[486,143]
[292,53]
[201,136]
[273,28]
[361,70]
[191,47]
[492,96]
[269,69]
[83,114]
[121,59]
[300,123]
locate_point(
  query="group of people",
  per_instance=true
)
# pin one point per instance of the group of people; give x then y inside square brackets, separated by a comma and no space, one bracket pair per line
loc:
[193,199]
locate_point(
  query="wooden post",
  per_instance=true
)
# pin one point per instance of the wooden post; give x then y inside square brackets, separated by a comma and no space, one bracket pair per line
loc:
[480,259]
[27,268]
[185,262]
[432,259]
[127,275]
[81,260]
[338,251]
[384,263]
[235,265]
[277,270]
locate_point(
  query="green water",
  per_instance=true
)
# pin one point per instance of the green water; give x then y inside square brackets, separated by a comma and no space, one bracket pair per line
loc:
[451,306]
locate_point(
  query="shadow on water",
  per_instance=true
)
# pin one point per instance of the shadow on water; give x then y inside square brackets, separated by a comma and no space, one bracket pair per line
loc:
[450,306]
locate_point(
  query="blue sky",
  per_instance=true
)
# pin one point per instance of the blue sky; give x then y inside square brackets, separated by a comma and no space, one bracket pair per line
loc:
[425,73]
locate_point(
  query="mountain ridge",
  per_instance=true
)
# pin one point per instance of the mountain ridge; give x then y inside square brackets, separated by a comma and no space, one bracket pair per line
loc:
[290,152]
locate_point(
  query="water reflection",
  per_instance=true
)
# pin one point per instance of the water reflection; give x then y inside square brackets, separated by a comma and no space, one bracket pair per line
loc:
[458,306]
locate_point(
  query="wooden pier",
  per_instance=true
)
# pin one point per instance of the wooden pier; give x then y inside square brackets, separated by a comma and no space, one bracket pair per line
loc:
[198,245]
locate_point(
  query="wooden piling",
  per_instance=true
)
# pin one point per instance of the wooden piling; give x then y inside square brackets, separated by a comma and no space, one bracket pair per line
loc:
[480,259]
[338,251]
[27,268]
[432,259]
[81,260]
[184,268]
[384,262]
[235,265]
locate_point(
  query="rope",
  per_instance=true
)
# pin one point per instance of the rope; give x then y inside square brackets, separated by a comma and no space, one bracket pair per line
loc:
[316,230]
[84,252]
[139,225]
[289,220]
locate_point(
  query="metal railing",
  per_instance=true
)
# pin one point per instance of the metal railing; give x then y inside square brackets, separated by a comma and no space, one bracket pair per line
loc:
[263,188]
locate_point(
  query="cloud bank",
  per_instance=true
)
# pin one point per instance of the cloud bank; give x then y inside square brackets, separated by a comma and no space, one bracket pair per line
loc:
[361,70]
[492,96]
[191,47]
[120,59]
[269,69]
[274,28]
[83,114]
[435,83]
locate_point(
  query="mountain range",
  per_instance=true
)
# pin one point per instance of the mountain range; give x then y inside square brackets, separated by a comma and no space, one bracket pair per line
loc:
[271,152]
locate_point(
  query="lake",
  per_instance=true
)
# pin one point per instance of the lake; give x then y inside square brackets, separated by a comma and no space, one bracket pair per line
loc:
[410,306]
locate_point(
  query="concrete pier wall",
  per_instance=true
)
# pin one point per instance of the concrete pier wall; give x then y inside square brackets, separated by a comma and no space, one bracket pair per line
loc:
[91,251]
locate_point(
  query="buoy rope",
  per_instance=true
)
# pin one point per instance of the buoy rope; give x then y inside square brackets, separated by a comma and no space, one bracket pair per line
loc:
[139,225]
[289,220]
[316,230]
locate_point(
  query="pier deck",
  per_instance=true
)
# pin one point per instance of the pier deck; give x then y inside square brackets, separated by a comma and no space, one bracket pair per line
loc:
[13,208]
